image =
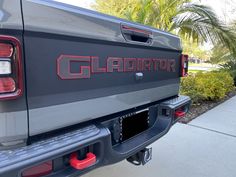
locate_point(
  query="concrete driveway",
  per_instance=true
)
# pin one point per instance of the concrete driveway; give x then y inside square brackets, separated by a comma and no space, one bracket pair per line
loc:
[204,148]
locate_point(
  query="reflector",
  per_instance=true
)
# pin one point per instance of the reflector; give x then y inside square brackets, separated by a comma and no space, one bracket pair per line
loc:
[39,170]
[6,50]
[184,65]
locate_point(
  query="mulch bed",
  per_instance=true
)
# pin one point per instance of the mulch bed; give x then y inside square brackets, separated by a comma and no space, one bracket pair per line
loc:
[197,110]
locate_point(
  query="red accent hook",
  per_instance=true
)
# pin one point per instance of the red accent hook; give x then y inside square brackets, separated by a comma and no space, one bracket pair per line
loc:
[82,164]
[179,114]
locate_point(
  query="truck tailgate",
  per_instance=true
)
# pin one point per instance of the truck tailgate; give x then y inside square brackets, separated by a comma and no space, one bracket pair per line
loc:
[81,65]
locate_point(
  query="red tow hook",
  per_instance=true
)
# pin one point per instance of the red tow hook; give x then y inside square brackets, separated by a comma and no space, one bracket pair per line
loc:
[82,164]
[179,114]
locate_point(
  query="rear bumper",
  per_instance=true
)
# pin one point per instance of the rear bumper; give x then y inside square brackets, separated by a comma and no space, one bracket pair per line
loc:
[98,136]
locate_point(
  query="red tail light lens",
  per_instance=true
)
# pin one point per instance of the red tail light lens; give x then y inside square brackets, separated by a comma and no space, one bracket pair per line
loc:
[6,50]
[184,65]
[39,170]
[7,85]
[11,81]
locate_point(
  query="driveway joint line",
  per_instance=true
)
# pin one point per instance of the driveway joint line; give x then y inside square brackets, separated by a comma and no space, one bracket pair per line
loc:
[215,131]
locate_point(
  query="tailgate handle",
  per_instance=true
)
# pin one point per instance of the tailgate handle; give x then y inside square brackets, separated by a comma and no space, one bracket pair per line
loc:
[82,164]
[136,35]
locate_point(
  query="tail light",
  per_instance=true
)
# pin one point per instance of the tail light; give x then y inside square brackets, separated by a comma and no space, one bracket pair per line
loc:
[11,84]
[184,65]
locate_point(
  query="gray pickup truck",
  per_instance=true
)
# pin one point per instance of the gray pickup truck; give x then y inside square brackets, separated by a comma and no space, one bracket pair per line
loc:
[80,90]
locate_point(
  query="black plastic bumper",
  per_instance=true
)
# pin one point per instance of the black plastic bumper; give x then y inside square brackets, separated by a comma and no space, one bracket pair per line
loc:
[13,162]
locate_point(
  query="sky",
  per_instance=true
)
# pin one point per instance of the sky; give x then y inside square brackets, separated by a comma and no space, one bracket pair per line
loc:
[225,9]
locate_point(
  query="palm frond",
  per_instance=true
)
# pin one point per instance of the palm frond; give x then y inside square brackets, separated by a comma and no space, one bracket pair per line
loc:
[200,23]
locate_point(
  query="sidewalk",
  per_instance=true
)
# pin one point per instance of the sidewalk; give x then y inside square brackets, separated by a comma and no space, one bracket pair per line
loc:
[204,148]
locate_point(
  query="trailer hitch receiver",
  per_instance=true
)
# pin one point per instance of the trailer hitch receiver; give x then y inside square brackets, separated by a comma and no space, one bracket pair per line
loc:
[142,157]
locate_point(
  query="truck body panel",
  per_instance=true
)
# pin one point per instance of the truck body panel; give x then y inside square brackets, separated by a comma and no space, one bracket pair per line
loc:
[76,84]
[11,15]
[61,30]
[46,16]
[13,113]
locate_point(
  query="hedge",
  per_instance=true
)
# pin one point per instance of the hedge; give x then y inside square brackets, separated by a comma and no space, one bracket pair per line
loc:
[233,74]
[209,86]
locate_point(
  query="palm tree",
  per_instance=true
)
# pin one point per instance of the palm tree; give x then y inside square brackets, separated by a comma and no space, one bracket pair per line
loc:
[191,21]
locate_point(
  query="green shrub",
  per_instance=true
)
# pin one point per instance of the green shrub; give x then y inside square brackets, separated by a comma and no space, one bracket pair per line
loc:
[230,66]
[207,86]
[233,74]
[188,87]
